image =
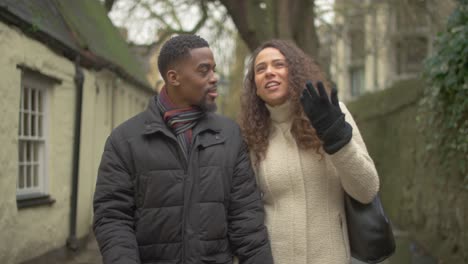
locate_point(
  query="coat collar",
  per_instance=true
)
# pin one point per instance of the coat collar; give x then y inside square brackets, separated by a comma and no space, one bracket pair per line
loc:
[155,123]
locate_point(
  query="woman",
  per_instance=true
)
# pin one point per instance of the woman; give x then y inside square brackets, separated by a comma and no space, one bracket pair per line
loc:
[307,152]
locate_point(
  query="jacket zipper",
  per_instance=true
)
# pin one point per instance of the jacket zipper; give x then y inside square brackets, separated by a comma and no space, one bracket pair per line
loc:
[185,167]
[186,164]
[184,213]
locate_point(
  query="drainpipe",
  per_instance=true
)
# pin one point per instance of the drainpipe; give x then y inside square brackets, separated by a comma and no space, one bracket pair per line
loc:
[72,241]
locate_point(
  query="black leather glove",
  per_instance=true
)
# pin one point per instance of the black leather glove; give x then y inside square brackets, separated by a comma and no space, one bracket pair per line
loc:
[326,117]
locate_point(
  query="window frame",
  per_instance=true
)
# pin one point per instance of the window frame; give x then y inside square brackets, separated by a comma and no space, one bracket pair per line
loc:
[357,69]
[34,81]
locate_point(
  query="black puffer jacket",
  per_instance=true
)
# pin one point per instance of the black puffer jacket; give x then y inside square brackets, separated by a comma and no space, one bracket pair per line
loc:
[151,206]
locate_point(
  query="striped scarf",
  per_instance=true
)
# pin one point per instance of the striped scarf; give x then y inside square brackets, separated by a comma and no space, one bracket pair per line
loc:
[180,120]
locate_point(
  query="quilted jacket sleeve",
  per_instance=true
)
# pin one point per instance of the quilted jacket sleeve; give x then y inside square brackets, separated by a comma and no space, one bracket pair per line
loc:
[247,232]
[114,209]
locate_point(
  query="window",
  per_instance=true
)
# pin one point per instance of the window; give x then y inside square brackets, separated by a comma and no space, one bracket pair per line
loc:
[412,15]
[32,136]
[357,80]
[411,39]
[410,54]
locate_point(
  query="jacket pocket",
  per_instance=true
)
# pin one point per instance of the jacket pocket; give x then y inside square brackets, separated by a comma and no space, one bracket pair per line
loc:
[211,140]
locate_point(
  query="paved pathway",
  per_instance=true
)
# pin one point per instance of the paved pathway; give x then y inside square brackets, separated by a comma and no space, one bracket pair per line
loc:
[406,253]
[88,255]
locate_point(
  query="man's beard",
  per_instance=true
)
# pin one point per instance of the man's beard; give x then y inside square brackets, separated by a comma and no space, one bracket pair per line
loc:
[207,106]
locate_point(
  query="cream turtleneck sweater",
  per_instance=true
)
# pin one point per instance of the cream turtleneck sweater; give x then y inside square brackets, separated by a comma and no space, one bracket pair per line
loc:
[303,193]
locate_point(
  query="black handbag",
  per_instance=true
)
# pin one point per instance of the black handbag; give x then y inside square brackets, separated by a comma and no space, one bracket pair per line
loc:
[369,230]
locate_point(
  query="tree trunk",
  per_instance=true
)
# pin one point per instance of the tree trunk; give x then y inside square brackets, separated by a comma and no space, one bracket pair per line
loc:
[108,4]
[236,80]
[258,21]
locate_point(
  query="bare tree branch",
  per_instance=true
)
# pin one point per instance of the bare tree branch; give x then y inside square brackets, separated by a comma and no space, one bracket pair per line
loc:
[157,16]
[202,20]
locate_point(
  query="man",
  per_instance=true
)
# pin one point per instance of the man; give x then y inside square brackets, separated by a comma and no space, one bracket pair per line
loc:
[175,183]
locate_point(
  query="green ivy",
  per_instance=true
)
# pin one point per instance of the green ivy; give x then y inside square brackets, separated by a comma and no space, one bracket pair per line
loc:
[446,97]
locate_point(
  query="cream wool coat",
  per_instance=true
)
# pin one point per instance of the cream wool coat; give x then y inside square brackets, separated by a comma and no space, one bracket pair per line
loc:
[303,193]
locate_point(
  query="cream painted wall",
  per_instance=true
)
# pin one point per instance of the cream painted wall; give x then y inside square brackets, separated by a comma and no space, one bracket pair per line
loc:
[100,114]
[8,133]
[30,232]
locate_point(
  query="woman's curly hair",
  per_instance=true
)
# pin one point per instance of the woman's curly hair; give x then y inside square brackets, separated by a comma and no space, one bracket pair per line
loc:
[255,119]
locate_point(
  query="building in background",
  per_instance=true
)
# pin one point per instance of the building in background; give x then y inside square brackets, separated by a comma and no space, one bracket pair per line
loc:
[380,42]
[67,79]
[147,56]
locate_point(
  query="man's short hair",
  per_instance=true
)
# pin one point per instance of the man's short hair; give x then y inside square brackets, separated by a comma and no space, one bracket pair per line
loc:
[177,48]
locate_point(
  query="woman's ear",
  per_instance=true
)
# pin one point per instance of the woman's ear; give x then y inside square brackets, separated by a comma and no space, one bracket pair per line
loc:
[172,78]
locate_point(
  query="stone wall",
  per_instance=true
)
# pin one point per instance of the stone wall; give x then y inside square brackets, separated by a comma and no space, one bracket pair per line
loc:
[419,196]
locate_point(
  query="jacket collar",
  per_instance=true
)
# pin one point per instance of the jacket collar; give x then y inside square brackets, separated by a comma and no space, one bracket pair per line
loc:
[155,123]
